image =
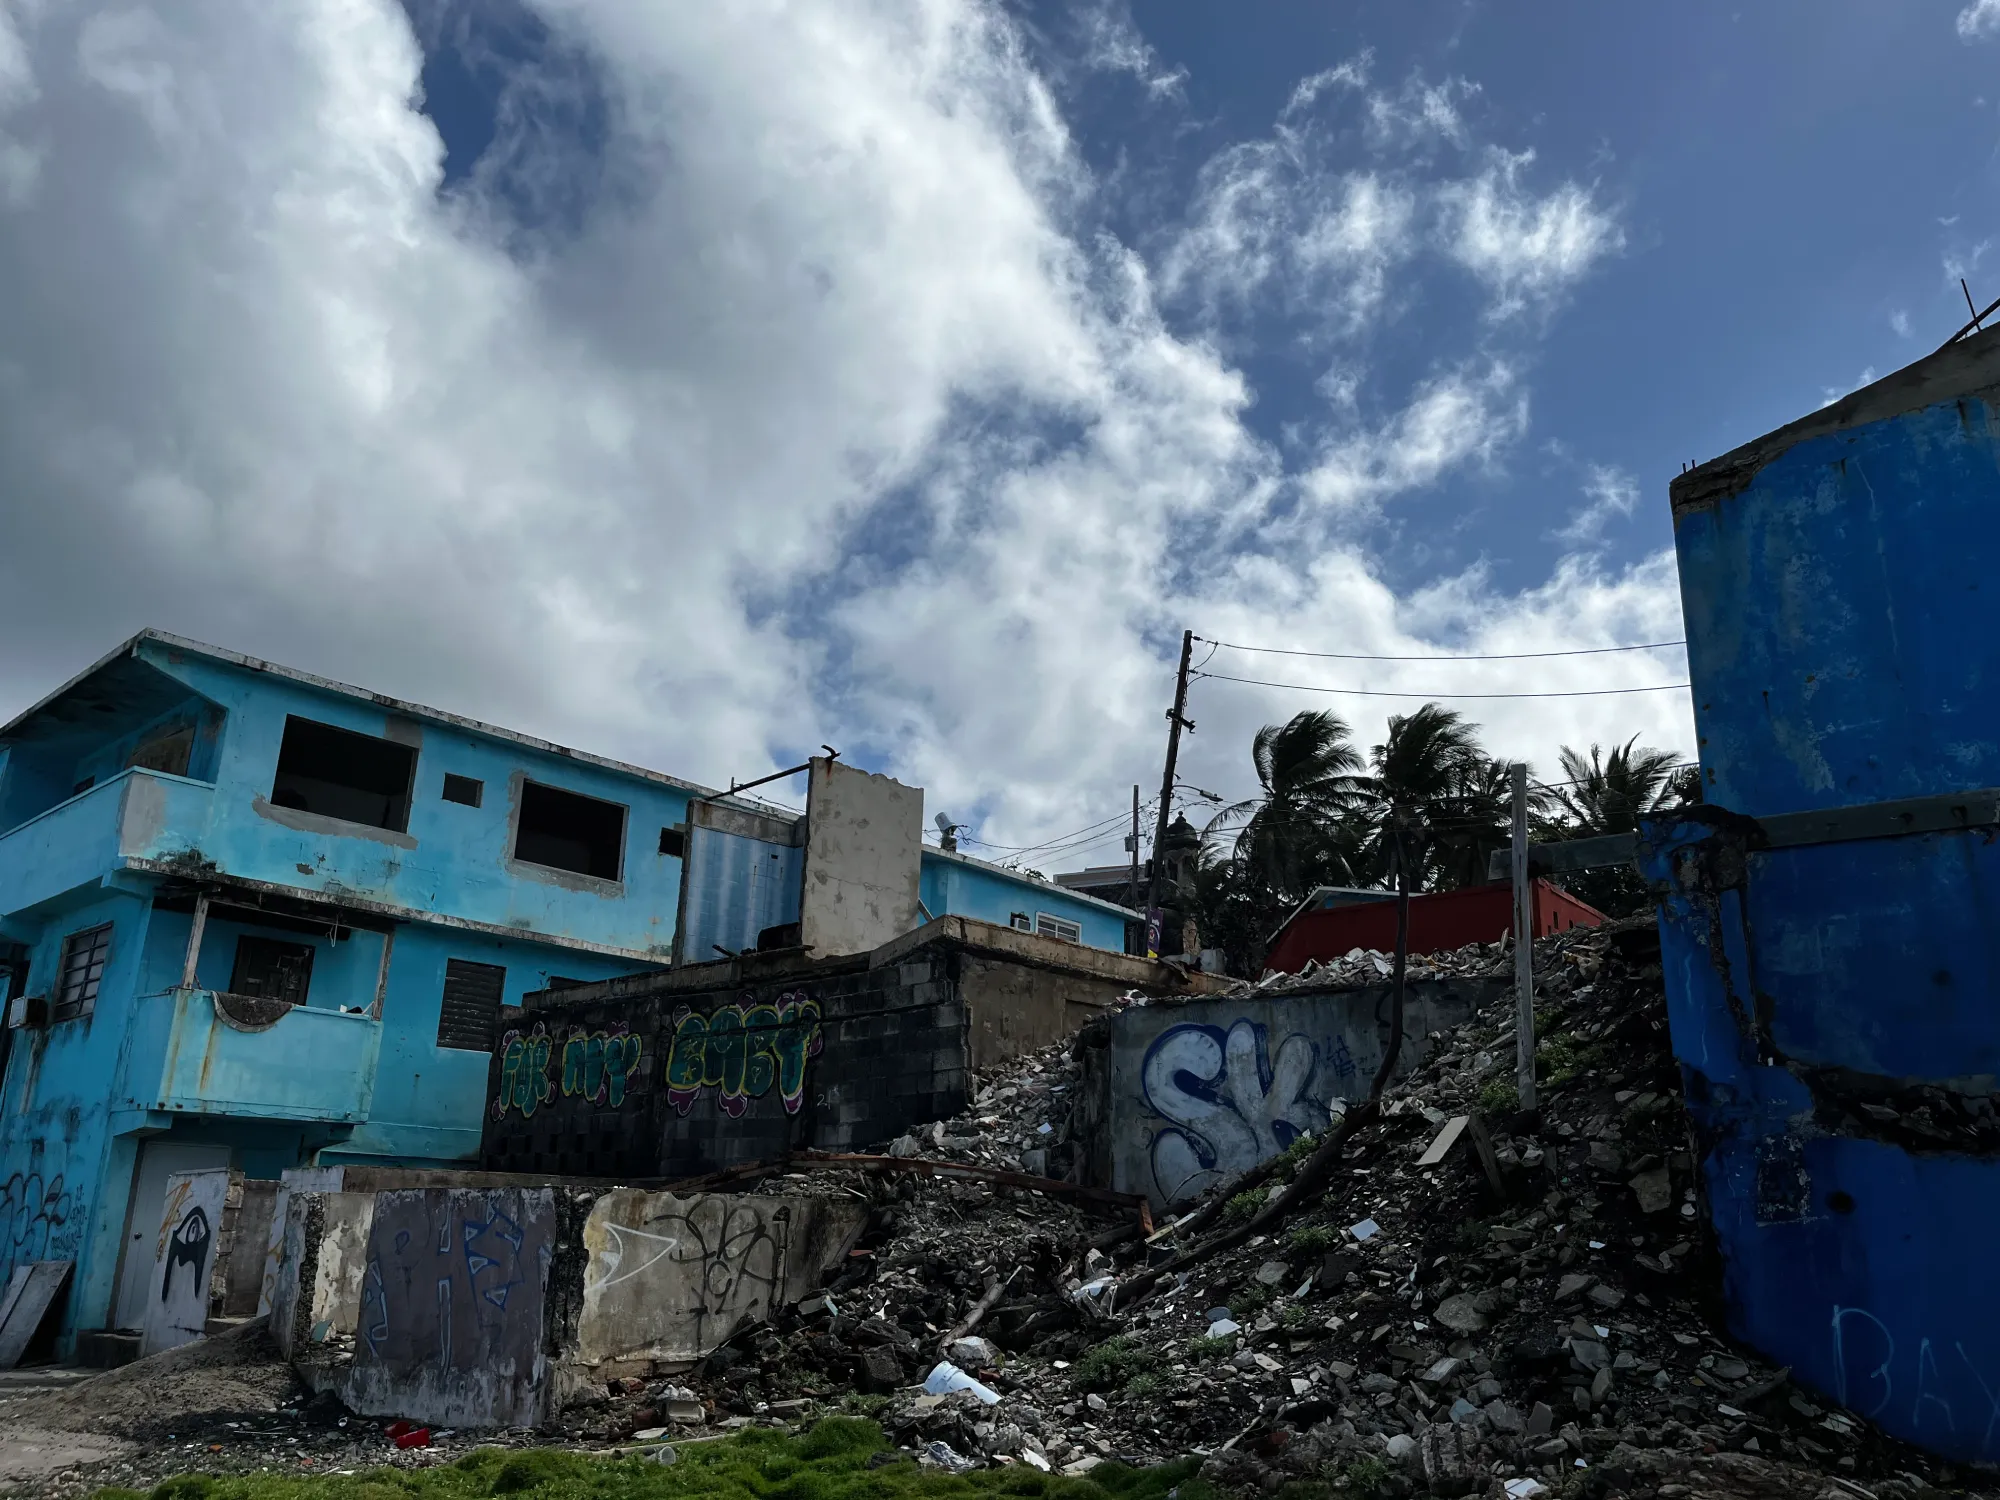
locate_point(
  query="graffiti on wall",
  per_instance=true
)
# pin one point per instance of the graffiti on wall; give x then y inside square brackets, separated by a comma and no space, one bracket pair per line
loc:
[35,1220]
[452,1286]
[187,1246]
[595,1065]
[743,1052]
[1229,1101]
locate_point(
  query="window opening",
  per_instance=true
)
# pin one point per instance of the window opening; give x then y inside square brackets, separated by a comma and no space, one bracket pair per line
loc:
[272,969]
[81,972]
[467,791]
[566,831]
[471,1007]
[673,843]
[168,750]
[337,773]
[1020,923]
[1059,928]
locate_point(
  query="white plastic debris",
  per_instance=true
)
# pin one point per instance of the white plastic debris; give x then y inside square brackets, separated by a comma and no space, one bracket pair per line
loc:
[1367,1229]
[948,1377]
[1525,1489]
[1223,1328]
[948,1458]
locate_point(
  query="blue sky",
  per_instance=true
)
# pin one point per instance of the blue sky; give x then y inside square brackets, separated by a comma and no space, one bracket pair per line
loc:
[697,384]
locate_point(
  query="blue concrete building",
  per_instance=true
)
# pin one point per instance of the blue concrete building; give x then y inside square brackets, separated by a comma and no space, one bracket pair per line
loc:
[251,917]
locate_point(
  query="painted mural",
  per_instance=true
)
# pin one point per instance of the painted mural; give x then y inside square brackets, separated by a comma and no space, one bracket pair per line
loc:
[36,1219]
[594,1065]
[1229,1100]
[744,1052]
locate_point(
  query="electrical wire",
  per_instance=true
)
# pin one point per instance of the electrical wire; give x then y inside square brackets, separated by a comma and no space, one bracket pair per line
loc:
[1482,656]
[1308,687]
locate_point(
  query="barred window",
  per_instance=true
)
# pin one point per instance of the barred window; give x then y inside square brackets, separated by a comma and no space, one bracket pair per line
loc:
[471,1008]
[83,958]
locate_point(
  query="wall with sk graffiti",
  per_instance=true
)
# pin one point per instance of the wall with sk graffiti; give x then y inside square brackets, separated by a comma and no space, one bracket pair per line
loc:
[1205,1089]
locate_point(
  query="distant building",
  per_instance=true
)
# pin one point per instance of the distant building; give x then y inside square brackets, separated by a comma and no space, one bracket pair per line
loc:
[1335,920]
[251,917]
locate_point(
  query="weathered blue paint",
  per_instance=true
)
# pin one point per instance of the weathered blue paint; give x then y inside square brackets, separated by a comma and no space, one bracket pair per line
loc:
[955,884]
[736,885]
[1842,653]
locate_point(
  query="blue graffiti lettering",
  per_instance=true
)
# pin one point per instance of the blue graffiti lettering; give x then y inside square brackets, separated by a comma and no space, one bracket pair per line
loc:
[1927,1371]
[1840,1358]
[1230,1102]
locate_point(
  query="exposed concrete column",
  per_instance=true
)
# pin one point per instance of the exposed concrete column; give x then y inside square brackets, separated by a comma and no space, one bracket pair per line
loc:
[194,940]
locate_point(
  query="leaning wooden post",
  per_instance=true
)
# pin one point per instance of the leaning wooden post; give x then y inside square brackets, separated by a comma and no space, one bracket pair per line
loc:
[1524,948]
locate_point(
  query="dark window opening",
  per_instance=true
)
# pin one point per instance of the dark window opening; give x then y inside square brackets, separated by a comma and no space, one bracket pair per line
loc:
[168,750]
[471,1007]
[464,790]
[272,969]
[81,972]
[337,773]
[673,843]
[567,832]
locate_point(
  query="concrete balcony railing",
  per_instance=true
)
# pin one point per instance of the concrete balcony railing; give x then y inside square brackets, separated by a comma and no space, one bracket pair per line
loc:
[136,814]
[237,1055]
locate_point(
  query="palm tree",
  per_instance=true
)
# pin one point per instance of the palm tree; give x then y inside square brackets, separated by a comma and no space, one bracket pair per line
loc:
[1307,769]
[1612,793]
[1421,775]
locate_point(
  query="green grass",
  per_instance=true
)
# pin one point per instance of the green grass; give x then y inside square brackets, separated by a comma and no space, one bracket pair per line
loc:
[1562,1058]
[1366,1478]
[831,1462]
[1294,1157]
[1208,1348]
[1112,1364]
[1311,1239]
[1500,1097]
[1243,1205]
[1249,1300]
[1293,1316]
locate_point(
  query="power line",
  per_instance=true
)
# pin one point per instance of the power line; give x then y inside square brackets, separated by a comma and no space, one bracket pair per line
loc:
[1307,687]
[1486,656]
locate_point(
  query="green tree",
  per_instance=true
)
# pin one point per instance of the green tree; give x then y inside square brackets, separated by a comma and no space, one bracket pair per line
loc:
[1307,774]
[1417,791]
[1610,793]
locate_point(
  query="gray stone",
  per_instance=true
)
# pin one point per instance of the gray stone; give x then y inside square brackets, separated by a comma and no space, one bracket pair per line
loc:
[881,1372]
[1654,1190]
[1506,1421]
[1590,1354]
[1402,1449]
[1540,1420]
[1460,1313]
[1606,1296]
[1600,1384]
[973,1353]
[1451,1459]
[1605,1158]
[1272,1272]
[1570,1285]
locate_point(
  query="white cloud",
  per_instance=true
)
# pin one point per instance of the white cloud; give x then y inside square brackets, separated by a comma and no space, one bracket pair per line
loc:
[821,421]
[1979,19]
[1527,248]
[1899,321]
[1111,43]
[1610,494]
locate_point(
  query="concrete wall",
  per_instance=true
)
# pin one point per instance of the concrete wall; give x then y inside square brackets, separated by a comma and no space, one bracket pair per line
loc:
[864,834]
[1203,1089]
[669,1278]
[1014,1008]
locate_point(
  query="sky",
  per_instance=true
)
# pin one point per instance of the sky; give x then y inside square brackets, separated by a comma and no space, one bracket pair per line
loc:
[698,384]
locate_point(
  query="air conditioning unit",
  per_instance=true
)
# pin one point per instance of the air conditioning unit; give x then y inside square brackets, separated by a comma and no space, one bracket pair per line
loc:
[27,1011]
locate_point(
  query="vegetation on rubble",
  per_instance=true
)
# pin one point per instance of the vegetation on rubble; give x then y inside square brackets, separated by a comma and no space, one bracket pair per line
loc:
[1311,1239]
[1366,1478]
[1501,1097]
[1245,1204]
[1206,1347]
[1112,1364]
[1562,1058]
[1249,1300]
[842,1458]
[1429,803]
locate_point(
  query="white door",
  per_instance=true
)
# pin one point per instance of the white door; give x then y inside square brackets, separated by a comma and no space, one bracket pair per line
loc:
[157,1159]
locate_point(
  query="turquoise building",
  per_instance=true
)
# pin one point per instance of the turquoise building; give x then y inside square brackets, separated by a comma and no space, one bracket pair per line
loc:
[254,918]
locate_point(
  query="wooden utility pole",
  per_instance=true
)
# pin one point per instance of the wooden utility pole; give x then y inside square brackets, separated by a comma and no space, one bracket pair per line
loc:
[1132,899]
[1524,948]
[1176,721]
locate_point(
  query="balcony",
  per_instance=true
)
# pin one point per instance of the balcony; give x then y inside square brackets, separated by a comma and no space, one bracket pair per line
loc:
[235,1055]
[141,814]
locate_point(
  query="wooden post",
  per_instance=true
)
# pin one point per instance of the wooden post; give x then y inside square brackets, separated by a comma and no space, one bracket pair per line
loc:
[1176,721]
[1524,947]
[1133,899]
[194,940]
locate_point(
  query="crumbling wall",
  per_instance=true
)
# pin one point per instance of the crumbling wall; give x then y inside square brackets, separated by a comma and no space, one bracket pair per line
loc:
[1016,1008]
[451,1318]
[682,1082]
[669,1278]
[1202,1089]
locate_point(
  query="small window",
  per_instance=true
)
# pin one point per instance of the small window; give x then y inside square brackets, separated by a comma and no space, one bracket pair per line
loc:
[1020,923]
[272,970]
[337,773]
[82,972]
[464,790]
[673,843]
[567,832]
[471,1005]
[1059,928]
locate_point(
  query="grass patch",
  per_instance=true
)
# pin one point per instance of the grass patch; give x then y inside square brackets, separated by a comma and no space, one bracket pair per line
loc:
[1243,1205]
[1499,1097]
[1145,1385]
[1311,1239]
[1294,1316]
[1366,1478]
[1293,1157]
[1208,1348]
[831,1462]
[1112,1364]
[1562,1058]
[1249,1301]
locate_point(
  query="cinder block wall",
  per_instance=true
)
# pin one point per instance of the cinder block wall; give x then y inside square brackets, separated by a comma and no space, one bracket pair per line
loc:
[678,1083]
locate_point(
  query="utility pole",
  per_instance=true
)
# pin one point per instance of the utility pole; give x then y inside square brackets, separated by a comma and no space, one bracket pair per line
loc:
[1176,722]
[1132,896]
[1524,948]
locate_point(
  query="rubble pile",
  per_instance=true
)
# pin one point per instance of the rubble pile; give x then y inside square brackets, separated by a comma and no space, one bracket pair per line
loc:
[1479,1303]
[1361,966]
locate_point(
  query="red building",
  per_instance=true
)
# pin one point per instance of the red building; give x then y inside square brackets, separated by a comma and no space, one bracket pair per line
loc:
[1332,922]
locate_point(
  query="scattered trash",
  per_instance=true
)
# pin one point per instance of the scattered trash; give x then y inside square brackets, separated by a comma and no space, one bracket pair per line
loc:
[1367,1229]
[948,1377]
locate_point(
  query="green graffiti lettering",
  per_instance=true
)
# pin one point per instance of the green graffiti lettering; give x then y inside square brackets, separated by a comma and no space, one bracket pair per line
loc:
[741,1051]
